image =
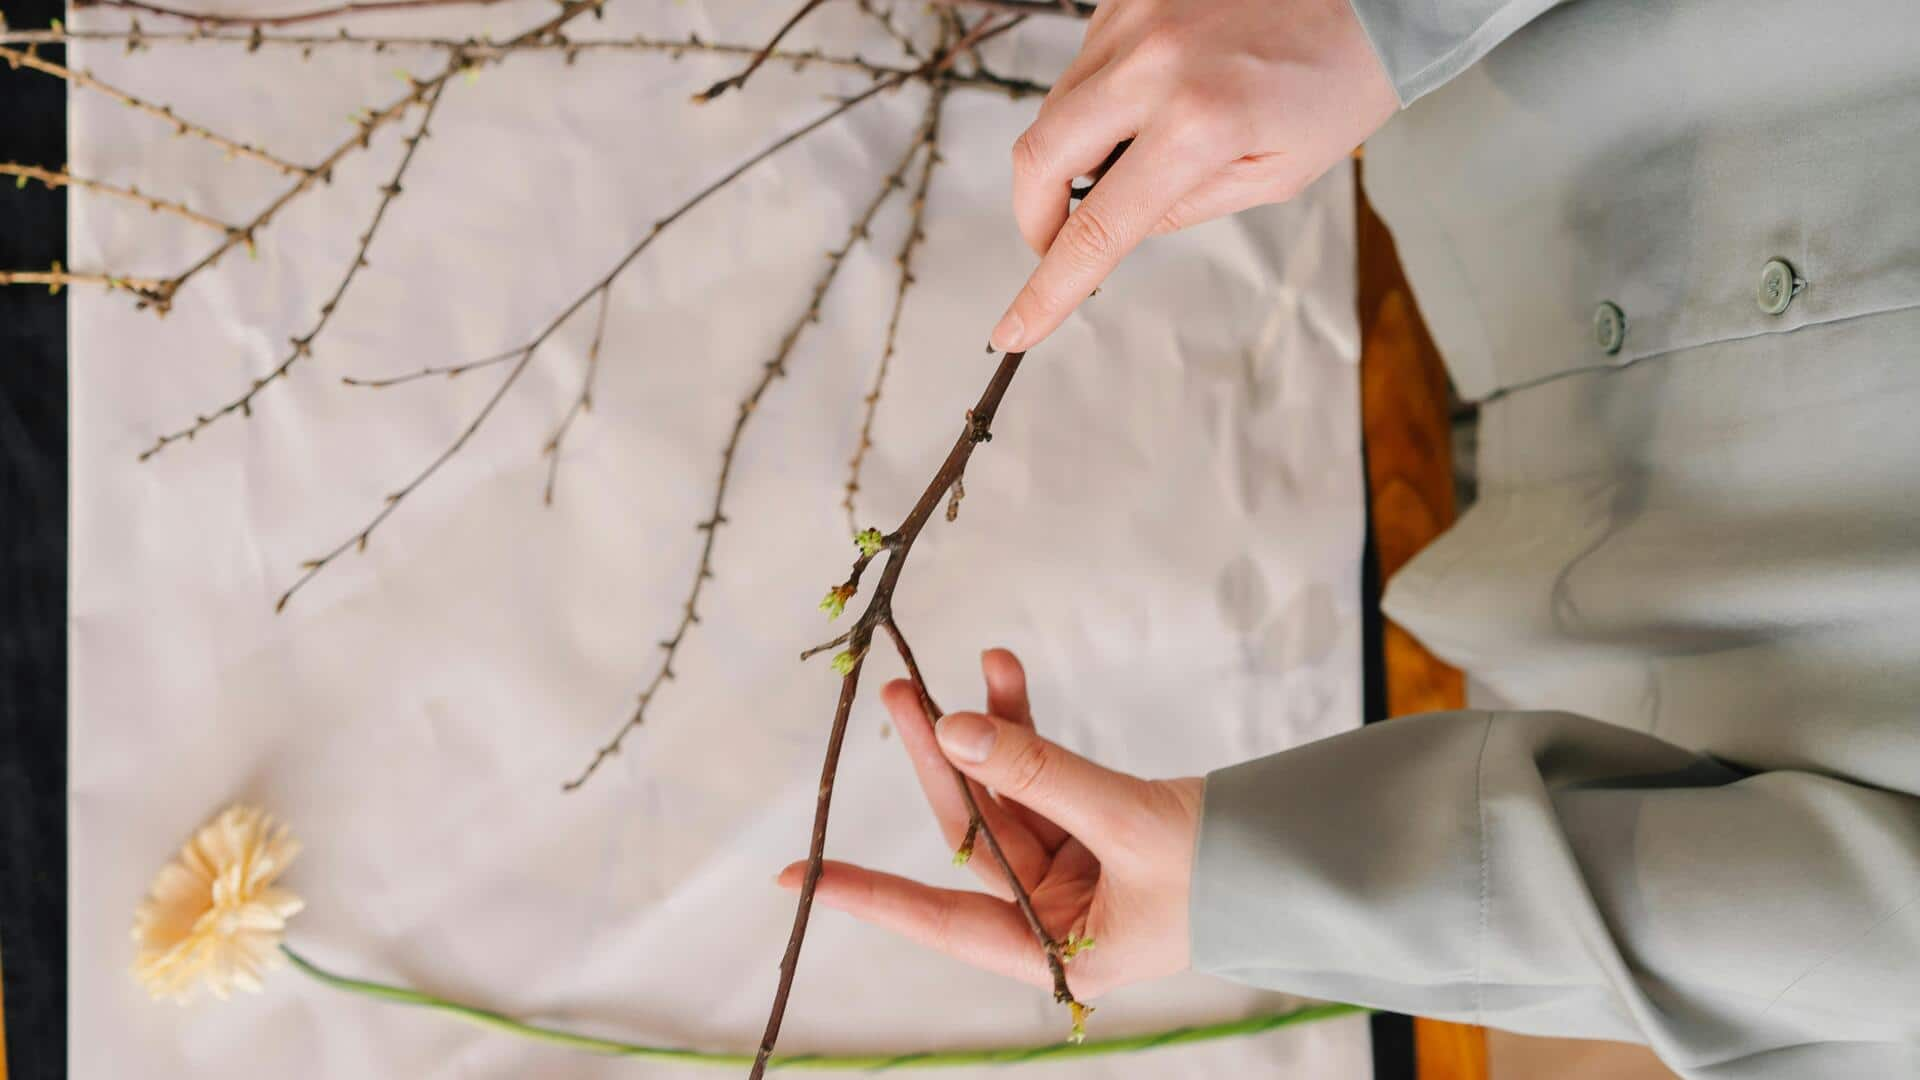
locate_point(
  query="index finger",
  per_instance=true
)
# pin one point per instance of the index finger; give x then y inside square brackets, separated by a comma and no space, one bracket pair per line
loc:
[971,927]
[1109,223]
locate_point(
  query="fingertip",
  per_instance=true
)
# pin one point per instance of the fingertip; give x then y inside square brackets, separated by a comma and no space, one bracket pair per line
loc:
[967,737]
[902,702]
[791,876]
[1000,665]
[899,693]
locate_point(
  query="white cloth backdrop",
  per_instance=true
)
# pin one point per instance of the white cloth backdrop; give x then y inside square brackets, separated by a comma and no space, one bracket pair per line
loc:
[1167,526]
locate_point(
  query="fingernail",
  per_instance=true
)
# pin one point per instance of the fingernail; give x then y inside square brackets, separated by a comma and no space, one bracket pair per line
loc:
[1006,335]
[966,737]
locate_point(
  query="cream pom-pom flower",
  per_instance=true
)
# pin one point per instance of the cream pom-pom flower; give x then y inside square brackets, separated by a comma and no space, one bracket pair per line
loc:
[213,915]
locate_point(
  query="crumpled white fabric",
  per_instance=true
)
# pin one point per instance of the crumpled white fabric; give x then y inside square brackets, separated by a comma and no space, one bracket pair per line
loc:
[1166,526]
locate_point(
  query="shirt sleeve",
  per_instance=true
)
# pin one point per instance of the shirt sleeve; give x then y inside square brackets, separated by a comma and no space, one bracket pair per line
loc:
[1423,43]
[1551,874]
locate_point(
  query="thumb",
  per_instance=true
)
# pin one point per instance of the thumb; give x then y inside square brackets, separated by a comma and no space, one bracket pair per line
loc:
[1089,801]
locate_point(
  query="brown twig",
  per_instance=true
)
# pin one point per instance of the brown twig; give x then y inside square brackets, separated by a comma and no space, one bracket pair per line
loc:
[368,124]
[451,371]
[898,545]
[484,49]
[358,541]
[58,278]
[916,232]
[884,17]
[739,79]
[524,354]
[59,178]
[583,401]
[716,515]
[977,826]
[302,346]
[689,613]
[1075,9]
[28,58]
[208,18]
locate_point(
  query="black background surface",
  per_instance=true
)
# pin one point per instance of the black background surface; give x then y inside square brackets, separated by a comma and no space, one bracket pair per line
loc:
[33,576]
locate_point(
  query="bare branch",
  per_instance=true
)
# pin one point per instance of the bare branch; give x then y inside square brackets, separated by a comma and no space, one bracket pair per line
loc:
[208,18]
[302,346]
[879,612]
[57,278]
[525,353]
[1073,9]
[451,371]
[484,49]
[28,58]
[735,81]
[816,850]
[884,17]
[369,123]
[716,515]
[915,234]
[59,178]
[977,827]
[582,401]
[358,541]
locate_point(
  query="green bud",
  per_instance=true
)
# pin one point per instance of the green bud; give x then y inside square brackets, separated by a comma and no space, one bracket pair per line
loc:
[962,855]
[843,662]
[869,541]
[1074,947]
[835,603]
[1080,1014]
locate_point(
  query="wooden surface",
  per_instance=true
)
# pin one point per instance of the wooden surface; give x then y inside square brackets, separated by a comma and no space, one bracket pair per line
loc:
[1404,419]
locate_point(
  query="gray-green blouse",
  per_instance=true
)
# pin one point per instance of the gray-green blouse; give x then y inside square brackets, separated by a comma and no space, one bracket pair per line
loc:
[1674,249]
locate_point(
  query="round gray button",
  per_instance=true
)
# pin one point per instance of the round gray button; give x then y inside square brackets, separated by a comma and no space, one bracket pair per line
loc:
[1609,327]
[1778,285]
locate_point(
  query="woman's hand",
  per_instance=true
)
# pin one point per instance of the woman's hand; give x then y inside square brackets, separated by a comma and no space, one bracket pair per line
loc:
[1229,103]
[1104,856]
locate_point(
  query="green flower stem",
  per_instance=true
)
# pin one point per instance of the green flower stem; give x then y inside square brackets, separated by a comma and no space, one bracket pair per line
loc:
[1012,1055]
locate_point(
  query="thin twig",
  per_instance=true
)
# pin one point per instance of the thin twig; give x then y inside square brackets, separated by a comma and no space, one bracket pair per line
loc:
[1076,9]
[59,178]
[716,514]
[484,49]
[898,546]
[370,122]
[302,346]
[583,401]
[916,232]
[58,278]
[524,354]
[358,541]
[28,58]
[739,79]
[884,17]
[977,826]
[209,18]
[689,613]
[451,371]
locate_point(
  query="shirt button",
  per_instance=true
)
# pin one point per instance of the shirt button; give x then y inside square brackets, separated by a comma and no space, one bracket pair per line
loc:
[1609,327]
[1778,286]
